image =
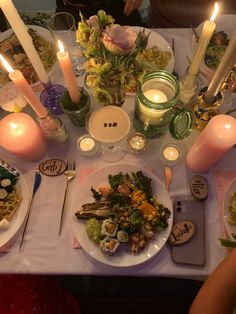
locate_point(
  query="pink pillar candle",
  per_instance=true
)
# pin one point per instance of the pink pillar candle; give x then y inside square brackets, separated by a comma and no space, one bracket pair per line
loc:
[215,140]
[69,76]
[21,136]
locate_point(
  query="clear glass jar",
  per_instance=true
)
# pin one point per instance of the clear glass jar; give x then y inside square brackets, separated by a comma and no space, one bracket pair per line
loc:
[52,128]
[154,113]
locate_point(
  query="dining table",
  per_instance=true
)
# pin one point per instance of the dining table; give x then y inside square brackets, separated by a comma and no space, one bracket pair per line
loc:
[45,252]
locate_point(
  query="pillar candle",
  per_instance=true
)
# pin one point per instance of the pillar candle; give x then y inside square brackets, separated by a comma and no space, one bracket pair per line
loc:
[207,31]
[67,70]
[21,136]
[21,32]
[216,139]
[227,63]
[18,79]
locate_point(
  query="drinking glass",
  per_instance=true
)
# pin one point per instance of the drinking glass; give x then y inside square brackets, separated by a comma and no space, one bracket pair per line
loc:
[62,27]
[110,126]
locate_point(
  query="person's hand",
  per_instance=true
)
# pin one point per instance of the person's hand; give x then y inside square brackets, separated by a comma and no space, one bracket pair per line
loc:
[131,5]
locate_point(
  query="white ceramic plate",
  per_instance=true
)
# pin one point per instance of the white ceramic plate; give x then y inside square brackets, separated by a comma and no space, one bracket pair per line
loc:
[224,22]
[230,228]
[157,40]
[122,258]
[20,214]
[45,33]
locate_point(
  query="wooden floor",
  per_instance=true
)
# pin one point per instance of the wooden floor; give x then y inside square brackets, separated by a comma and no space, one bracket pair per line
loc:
[127,295]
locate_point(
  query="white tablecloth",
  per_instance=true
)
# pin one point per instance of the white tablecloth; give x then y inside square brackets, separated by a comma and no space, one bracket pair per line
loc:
[43,252]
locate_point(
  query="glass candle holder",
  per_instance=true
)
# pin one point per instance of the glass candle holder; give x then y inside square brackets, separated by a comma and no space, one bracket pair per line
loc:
[77,113]
[53,128]
[156,95]
[87,145]
[170,154]
[137,142]
[51,96]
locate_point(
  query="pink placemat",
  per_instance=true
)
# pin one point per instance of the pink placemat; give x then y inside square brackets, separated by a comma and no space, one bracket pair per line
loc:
[223,180]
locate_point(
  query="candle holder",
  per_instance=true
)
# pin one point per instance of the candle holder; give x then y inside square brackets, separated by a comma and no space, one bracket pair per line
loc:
[137,142]
[203,110]
[188,87]
[52,128]
[51,96]
[77,113]
[171,154]
[87,145]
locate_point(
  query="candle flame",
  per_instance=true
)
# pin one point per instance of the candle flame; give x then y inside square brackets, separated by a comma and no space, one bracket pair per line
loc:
[17,129]
[6,64]
[215,12]
[61,47]
[227,126]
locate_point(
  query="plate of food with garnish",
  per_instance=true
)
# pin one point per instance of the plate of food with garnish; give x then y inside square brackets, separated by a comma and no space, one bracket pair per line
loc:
[12,50]
[122,215]
[229,209]
[14,201]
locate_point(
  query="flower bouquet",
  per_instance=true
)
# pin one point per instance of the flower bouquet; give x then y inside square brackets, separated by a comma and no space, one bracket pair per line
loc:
[111,51]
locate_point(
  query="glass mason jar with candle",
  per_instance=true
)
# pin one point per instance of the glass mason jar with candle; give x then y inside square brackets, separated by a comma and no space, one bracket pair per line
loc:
[156,110]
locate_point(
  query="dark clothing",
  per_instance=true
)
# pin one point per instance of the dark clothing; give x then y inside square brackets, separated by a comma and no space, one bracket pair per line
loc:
[112,7]
[183,13]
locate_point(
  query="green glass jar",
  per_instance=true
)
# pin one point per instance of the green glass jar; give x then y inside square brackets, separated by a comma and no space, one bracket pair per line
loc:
[155,111]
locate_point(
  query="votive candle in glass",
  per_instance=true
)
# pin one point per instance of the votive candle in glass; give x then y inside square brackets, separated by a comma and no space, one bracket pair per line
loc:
[170,154]
[137,142]
[87,145]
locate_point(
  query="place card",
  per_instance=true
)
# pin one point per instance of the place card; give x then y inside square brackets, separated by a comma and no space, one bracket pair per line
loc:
[199,188]
[181,232]
[52,167]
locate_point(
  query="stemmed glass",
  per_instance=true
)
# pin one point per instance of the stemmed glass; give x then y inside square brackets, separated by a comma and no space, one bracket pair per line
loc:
[110,125]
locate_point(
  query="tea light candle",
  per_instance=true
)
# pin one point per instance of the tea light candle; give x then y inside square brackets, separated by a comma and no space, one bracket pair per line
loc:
[170,154]
[26,41]
[207,31]
[21,136]
[67,70]
[216,139]
[87,145]
[137,142]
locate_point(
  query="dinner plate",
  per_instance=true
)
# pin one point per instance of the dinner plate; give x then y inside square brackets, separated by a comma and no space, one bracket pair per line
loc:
[13,52]
[122,258]
[224,22]
[155,39]
[19,216]
[229,227]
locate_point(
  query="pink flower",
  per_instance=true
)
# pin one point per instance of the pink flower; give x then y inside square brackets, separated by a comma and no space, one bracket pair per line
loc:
[93,22]
[119,40]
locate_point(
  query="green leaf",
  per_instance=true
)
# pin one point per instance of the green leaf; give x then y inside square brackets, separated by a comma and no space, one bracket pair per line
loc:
[227,243]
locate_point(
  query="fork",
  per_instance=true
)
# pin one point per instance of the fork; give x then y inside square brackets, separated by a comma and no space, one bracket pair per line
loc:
[69,174]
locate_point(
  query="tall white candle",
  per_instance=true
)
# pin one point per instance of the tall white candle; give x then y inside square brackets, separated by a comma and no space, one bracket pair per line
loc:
[18,79]
[21,32]
[226,64]
[67,70]
[207,31]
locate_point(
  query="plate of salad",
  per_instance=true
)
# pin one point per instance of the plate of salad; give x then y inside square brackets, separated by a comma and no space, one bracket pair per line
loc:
[122,215]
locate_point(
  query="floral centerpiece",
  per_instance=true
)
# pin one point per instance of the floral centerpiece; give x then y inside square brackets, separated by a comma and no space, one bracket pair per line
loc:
[111,51]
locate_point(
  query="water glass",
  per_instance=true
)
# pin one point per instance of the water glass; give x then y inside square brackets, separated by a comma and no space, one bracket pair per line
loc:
[62,27]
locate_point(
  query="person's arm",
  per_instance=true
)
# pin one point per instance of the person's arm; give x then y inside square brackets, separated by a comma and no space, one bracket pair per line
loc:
[218,293]
[131,5]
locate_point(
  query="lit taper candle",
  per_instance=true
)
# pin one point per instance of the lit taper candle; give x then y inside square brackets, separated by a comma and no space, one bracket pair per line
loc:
[18,79]
[207,31]
[26,41]
[67,70]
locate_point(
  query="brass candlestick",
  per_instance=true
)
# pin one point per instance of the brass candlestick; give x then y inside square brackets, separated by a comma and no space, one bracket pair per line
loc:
[203,110]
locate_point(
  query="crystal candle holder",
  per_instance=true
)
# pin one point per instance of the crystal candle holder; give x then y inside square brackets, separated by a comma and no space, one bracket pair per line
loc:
[87,146]
[51,96]
[137,142]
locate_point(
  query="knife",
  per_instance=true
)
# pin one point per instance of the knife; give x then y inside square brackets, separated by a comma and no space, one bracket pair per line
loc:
[37,181]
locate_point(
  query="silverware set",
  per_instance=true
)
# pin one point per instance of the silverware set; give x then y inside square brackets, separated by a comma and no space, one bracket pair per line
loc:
[69,174]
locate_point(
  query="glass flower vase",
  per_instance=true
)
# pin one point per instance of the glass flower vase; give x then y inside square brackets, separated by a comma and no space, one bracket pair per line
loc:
[110,93]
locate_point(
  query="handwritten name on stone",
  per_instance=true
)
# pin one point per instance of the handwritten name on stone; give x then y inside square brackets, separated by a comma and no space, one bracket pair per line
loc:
[52,167]
[199,188]
[181,232]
